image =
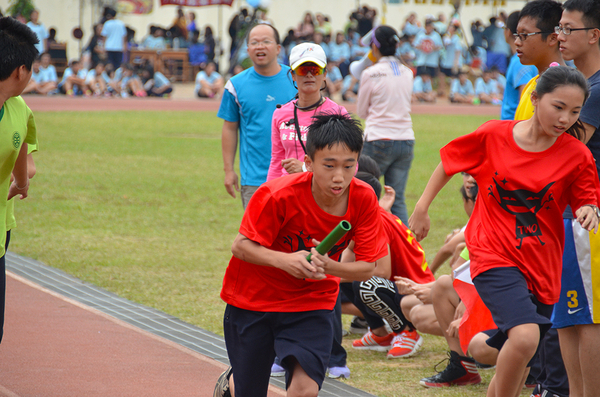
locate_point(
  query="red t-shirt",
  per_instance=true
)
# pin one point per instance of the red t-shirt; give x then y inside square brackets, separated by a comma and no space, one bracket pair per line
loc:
[517,220]
[283,216]
[408,257]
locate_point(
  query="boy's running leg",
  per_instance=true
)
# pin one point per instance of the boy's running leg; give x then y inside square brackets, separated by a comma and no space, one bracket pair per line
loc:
[569,347]
[250,347]
[301,384]
[512,362]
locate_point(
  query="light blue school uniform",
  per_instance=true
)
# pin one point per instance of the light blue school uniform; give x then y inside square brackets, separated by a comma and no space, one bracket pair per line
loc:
[462,89]
[42,34]
[82,74]
[420,86]
[250,100]
[481,87]
[48,74]
[431,59]
[449,57]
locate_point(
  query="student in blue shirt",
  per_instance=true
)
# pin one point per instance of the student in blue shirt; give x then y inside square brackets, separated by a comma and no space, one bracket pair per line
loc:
[247,107]
[209,83]
[461,90]
[422,89]
[155,83]
[486,89]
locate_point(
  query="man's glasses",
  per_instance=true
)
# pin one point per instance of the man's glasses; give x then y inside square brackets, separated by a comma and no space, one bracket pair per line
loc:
[567,31]
[255,43]
[524,36]
[303,70]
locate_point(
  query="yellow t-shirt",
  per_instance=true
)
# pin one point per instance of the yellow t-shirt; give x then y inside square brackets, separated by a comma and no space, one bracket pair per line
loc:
[525,108]
[17,125]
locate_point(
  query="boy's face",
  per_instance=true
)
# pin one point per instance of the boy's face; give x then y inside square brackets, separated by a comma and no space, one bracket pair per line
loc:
[533,47]
[576,44]
[333,169]
[462,78]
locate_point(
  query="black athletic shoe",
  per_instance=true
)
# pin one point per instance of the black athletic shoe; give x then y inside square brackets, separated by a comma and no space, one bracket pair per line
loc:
[359,326]
[459,372]
[222,386]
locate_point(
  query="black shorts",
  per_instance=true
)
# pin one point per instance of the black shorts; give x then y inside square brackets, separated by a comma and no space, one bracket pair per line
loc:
[448,72]
[253,340]
[504,291]
[428,70]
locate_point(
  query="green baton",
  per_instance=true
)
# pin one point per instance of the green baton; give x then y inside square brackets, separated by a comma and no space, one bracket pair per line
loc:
[332,238]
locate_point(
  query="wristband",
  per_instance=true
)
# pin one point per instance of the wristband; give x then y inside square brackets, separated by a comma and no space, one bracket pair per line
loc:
[21,188]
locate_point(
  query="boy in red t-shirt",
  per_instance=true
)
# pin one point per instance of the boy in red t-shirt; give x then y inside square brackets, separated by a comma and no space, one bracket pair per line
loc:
[278,303]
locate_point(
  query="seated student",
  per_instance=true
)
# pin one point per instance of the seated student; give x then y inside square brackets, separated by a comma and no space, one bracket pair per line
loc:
[270,285]
[73,80]
[155,83]
[96,80]
[422,89]
[378,298]
[131,84]
[461,89]
[406,51]
[486,89]
[32,86]
[209,83]
[112,79]
[155,40]
[45,76]
[457,236]
[350,88]
[334,79]
[500,80]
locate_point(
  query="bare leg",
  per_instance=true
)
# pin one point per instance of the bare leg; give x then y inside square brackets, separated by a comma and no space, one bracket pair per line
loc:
[480,351]
[589,357]
[423,318]
[569,348]
[445,301]
[301,384]
[512,361]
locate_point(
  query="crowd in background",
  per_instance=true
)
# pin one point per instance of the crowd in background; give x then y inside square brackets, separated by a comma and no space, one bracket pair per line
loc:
[445,64]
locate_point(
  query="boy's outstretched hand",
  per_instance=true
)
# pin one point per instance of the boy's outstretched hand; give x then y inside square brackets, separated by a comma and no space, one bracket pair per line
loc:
[586,216]
[419,223]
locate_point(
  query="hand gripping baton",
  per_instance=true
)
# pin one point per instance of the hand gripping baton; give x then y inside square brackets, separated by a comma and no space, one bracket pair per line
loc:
[332,238]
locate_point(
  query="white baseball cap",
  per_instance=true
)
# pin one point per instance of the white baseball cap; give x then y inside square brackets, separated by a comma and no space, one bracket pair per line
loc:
[307,52]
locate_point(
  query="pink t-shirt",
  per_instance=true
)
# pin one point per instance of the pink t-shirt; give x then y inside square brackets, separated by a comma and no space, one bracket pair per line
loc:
[284,141]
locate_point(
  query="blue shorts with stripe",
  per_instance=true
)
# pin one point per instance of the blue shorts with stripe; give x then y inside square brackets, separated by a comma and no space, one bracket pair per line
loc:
[579,301]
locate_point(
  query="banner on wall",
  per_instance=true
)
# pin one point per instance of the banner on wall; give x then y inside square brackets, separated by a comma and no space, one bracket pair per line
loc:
[196,3]
[134,6]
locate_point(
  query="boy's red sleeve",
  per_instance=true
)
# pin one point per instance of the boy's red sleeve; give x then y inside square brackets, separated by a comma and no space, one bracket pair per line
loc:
[369,236]
[262,220]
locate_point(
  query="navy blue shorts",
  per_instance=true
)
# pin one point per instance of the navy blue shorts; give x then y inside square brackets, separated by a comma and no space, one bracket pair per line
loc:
[429,70]
[504,291]
[253,340]
[448,72]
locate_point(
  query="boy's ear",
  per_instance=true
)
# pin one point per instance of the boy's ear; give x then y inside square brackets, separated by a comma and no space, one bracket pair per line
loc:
[308,163]
[21,72]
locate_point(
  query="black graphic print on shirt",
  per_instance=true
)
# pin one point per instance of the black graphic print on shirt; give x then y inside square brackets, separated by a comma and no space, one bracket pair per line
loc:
[525,205]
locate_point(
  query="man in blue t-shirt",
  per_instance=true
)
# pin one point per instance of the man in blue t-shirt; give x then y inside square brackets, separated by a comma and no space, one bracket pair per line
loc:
[517,74]
[248,103]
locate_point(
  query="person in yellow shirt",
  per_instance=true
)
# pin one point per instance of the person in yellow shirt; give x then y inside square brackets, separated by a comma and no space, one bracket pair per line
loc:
[537,44]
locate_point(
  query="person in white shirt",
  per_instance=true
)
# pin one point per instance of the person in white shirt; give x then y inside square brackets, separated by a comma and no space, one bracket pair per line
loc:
[384,100]
[116,37]
[40,30]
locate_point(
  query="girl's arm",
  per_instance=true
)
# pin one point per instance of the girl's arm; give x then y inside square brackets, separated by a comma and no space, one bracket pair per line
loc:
[419,221]
[277,152]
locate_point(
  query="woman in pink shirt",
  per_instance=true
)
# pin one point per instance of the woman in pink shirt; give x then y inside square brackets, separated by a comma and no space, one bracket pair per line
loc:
[384,101]
[308,62]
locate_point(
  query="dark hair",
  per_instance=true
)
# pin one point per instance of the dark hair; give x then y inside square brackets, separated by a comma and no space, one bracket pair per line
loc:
[17,46]
[328,129]
[590,10]
[547,14]
[110,12]
[558,76]
[369,172]
[471,194]
[512,21]
[388,40]
[275,32]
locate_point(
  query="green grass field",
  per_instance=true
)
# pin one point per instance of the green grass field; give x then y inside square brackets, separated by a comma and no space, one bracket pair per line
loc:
[133,202]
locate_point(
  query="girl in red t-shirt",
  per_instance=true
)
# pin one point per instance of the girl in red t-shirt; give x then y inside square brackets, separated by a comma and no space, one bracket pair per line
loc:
[531,170]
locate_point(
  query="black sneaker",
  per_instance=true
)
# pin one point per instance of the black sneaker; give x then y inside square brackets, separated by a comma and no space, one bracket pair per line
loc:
[459,372]
[531,383]
[358,326]
[222,386]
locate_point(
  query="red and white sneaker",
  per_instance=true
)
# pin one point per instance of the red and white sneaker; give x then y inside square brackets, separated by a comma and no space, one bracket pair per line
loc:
[405,344]
[370,341]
